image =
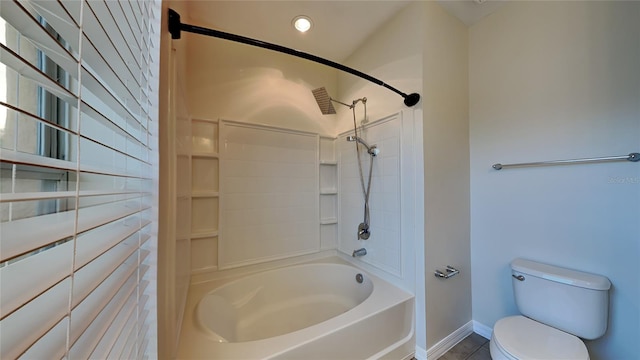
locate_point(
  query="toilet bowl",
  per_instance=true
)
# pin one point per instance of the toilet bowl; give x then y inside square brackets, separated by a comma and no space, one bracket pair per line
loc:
[520,338]
[559,307]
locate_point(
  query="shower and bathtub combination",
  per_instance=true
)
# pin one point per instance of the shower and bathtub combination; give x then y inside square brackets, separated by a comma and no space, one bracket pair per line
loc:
[322,305]
[317,306]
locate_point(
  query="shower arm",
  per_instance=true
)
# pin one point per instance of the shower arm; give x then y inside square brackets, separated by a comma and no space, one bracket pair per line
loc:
[353,104]
[176,27]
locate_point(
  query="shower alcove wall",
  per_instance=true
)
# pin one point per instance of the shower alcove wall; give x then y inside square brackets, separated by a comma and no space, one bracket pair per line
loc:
[207,200]
[265,193]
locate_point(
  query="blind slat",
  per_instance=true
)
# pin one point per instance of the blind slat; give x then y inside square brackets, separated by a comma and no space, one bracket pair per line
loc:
[73,9]
[25,24]
[51,345]
[113,73]
[91,337]
[121,341]
[102,15]
[113,123]
[60,19]
[122,280]
[95,242]
[24,235]
[22,281]
[129,348]
[26,325]
[110,337]
[124,26]
[16,157]
[30,196]
[90,277]
[24,68]
[90,82]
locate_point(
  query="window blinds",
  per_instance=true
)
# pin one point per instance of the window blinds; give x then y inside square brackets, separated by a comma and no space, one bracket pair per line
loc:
[78,126]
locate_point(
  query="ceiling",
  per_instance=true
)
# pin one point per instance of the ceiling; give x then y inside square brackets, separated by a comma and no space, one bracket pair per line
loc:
[339,27]
[470,12]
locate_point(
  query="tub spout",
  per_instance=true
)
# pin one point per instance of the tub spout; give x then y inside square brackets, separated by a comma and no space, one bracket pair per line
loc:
[359,252]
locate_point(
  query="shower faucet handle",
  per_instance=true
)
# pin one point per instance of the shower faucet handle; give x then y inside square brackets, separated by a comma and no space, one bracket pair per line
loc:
[363,231]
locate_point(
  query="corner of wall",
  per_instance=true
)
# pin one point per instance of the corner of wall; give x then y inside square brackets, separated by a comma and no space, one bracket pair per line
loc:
[169,302]
[446,166]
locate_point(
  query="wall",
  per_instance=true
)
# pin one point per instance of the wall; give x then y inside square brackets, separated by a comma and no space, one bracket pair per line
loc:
[424,49]
[238,82]
[393,54]
[235,81]
[174,188]
[446,164]
[269,206]
[557,80]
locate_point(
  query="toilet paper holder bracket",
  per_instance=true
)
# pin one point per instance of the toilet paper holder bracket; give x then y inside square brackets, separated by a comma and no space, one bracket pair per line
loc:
[450,271]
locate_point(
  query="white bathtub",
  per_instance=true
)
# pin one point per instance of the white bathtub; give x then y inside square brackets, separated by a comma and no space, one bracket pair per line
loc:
[307,311]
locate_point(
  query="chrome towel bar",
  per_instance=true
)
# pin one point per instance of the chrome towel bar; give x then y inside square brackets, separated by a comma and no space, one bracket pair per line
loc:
[633,157]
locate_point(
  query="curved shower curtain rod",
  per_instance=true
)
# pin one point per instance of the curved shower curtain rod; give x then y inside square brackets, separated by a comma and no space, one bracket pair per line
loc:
[175,28]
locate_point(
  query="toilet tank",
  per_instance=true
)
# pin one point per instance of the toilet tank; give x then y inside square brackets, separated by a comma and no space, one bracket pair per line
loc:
[572,301]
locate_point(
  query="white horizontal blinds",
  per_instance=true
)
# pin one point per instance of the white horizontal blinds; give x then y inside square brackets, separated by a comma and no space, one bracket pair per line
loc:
[77,189]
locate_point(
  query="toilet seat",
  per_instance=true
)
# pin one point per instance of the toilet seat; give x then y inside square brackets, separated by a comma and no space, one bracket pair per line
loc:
[519,337]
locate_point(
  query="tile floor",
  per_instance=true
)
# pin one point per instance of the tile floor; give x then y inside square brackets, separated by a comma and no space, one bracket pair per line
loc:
[473,347]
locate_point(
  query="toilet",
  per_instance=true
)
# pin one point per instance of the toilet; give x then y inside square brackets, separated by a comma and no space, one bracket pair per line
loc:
[558,306]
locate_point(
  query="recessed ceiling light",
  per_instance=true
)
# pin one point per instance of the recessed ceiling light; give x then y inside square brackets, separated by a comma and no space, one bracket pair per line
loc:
[302,23]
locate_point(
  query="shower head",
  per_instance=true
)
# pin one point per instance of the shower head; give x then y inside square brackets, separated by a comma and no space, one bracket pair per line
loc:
[324,101]
[372,150]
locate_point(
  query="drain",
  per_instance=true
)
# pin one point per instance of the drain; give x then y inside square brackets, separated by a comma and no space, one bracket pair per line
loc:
[359,278]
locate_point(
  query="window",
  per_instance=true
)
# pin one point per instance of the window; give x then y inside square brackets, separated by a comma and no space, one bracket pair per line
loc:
[77,184]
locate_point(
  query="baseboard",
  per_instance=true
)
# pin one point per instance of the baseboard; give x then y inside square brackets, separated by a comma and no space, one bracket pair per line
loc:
[448,342]
[482,330]
[421,354]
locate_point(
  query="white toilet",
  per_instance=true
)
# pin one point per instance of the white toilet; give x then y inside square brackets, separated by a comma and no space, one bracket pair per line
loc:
[559,305]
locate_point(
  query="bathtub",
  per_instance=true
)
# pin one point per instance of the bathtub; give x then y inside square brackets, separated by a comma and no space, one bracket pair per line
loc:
[321,310]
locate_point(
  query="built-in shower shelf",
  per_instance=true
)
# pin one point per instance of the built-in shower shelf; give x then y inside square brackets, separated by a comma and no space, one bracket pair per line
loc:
[328,191]
[328,186]
[204,234]
[328,221]
[207,155]
[205,194]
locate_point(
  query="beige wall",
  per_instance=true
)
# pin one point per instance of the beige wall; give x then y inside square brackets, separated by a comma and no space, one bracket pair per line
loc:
[424,49]
[235,81]
[446,168]
[557,80]
[392,54]
[173,258]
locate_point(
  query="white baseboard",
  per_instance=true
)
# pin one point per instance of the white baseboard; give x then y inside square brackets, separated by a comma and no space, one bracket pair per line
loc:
[421,354]
[448,342]
[482,330]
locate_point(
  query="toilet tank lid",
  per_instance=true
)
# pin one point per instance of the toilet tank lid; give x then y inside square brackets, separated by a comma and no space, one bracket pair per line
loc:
[561,275]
